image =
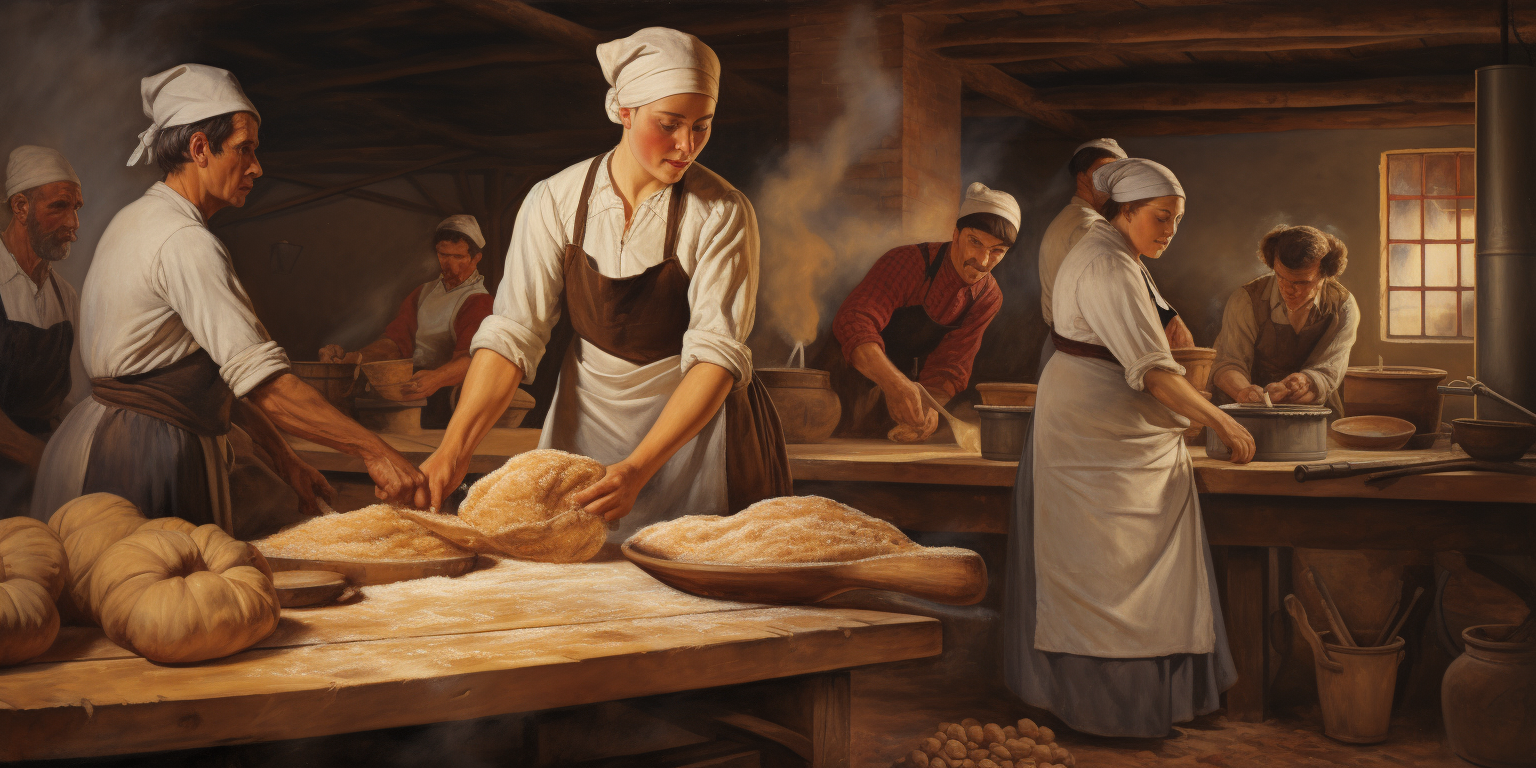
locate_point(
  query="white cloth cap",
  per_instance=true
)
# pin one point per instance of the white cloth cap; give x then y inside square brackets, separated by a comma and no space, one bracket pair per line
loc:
[979,199]
[1109,144]
[187,93]
[466,225]
[33,166]
[1136,179]
[655,63]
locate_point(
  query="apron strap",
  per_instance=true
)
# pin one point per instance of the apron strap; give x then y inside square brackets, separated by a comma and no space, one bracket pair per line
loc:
[579,235]
[674,220]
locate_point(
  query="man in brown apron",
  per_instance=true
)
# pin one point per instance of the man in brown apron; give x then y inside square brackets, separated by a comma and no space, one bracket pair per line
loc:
[38,314]
[176,355]
[916,320]
[1289,333]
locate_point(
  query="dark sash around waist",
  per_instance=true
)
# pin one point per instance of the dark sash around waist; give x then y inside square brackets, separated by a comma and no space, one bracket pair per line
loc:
[188,393]
[1082,348]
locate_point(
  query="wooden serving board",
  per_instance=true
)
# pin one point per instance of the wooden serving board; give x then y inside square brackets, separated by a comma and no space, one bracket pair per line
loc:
[362,573]
[297,589]
[956,578]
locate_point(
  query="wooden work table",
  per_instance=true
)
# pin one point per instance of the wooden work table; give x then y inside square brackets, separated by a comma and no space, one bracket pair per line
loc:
[1247,509]
[514,637]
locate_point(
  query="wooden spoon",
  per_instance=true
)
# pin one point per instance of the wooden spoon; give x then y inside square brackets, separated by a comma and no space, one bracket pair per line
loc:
[967,435]
[1319,653]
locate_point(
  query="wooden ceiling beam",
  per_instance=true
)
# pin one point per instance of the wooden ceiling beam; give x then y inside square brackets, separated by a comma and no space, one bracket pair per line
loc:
[998,85]
[1012,52]
[349,186]
[531,21]
[1176,97]
[1273,120]
[383,71]
[1366,18]
[361,194]
[545,143]
[957,7]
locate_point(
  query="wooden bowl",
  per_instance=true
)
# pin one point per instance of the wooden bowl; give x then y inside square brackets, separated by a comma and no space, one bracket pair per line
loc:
[384,372]
[1372,433]
[297,589]
[1493,440]
[395,392]
[1197,362]
[956,577]
[363,573]
[1007,393]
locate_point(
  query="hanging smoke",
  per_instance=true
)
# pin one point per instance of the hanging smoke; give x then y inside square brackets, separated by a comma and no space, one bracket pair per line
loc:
[72,83]
[817,240]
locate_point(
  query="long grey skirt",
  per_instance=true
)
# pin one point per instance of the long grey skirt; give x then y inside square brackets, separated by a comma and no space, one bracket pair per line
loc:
[1140,697]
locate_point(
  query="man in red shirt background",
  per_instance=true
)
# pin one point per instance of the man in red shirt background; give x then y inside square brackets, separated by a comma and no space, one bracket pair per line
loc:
[436,322]
[916,320]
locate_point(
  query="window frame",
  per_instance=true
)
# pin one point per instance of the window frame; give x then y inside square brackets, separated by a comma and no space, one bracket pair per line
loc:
[1385,251]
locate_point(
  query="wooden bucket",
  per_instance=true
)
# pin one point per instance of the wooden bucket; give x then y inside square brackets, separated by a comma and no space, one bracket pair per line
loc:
[1355,687]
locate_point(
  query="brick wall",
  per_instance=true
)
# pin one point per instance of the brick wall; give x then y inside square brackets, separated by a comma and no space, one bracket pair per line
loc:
[914,172]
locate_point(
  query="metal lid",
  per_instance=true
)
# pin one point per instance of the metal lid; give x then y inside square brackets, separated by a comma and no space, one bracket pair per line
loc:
[1395,372]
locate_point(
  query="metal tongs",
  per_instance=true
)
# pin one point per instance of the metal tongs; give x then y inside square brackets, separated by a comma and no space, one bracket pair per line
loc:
[1472,386]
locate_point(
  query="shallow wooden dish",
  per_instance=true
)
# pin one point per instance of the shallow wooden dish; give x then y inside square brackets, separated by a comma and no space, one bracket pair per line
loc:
[296,589]
[1006,393]
[959,579]
[384,372]
[1372,433]
[364,573]
[1493,440]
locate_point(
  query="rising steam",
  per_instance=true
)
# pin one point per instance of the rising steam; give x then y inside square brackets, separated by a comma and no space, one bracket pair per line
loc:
[816,239]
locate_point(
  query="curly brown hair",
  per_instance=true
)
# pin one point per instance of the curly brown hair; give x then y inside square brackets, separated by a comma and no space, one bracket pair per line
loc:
[1301,247]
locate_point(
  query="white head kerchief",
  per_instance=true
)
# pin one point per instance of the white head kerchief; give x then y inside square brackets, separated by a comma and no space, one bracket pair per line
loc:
[466,225]
[655,63]
[32,166]
[979,199]
[1136,179]
[1108,144]
[184,94]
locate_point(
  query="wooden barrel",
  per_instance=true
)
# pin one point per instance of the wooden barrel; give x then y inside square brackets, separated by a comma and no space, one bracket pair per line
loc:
[333,380]
[1354,689]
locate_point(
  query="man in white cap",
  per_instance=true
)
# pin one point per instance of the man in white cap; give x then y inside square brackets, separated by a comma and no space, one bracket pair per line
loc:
[39,314]
[916,320]
[436,322]
[175,353]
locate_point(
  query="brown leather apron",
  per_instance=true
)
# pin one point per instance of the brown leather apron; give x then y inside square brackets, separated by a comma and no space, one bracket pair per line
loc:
[1279,349]
[151,446]
[642,319]
[34,380]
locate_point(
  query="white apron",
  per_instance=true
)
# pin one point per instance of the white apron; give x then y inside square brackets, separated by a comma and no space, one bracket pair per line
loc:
[435,313]
[1119,546]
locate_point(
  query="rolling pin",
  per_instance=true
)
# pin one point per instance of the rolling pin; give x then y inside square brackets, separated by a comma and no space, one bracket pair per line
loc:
[1338,469]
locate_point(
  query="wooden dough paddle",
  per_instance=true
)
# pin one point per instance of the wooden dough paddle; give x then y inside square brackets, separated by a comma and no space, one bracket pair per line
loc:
[967,435]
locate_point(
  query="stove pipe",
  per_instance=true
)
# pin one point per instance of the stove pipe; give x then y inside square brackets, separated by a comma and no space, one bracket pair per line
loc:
[1506,237]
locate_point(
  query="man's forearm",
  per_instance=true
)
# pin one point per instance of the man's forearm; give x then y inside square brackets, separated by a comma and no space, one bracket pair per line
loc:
[296,408]
[18,445]
[263,432]
[870,360]
[1232,381]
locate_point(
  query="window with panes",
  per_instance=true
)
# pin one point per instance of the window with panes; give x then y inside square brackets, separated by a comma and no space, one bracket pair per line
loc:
[1429,268]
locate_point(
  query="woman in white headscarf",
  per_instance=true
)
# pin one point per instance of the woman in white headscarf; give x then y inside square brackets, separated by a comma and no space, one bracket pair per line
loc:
[1112,620]
[654,259]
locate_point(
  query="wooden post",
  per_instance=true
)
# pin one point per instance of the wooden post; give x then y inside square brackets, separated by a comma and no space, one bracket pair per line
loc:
[828,705]
[1245,575]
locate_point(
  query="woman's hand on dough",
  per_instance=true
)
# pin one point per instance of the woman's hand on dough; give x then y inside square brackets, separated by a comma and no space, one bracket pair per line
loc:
[1237,439]
[442,476]
[613,496]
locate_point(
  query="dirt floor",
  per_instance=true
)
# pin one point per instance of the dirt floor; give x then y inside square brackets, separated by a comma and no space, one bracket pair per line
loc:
[897,706]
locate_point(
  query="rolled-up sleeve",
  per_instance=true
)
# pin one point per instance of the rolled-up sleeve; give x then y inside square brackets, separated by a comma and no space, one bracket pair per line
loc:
[722,292]
[528,302]
[1113,300]
[197,280]
[1329,360]
[1235,343]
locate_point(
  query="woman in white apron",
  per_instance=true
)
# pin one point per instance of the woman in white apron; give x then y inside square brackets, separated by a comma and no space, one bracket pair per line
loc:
[1111,615]
[654,259]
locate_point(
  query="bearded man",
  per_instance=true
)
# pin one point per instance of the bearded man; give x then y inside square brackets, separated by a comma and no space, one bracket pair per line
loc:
[39,313]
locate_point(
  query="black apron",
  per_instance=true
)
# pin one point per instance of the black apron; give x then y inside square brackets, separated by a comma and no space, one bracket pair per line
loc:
[909,336]
[34,380]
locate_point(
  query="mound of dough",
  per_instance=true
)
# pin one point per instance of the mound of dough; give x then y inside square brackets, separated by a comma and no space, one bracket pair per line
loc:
[524,509]
[901,433]
[376,532]
[789,529]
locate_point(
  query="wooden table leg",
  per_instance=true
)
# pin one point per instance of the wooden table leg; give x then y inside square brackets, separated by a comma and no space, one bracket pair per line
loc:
[829,707]
[1245,578]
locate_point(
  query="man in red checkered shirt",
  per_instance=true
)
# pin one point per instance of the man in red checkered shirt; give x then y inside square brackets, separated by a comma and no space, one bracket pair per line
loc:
[916,320]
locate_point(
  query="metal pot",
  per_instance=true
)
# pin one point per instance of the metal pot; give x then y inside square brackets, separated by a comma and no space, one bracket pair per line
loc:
[1002,430]
[808,408]
[1280,433]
